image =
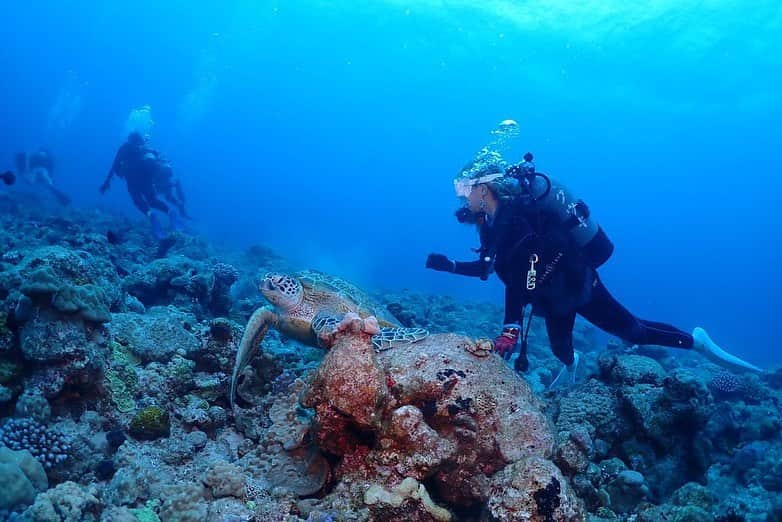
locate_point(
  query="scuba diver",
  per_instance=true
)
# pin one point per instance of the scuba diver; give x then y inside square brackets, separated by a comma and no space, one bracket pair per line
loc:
[545,248]
[139,165]
[8,177]
[38,168]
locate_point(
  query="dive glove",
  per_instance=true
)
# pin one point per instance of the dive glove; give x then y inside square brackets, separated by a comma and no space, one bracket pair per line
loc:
[505,343]
[440,263]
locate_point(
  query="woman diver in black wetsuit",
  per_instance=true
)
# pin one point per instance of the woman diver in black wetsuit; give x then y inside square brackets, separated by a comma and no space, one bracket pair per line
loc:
[545,248]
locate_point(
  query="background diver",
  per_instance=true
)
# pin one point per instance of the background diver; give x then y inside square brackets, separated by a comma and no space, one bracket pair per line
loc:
[540,245]
[37,168]
[139,165]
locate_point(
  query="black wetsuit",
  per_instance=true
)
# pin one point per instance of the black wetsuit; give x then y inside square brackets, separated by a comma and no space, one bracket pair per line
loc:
[139,173]
[566,284]
[170,187]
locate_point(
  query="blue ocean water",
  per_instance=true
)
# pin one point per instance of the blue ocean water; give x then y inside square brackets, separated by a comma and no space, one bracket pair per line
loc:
[331,131]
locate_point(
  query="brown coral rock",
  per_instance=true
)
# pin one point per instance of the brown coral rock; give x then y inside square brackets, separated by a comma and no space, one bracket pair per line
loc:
[430,409]
[411,446]
[225,480]
[349,383]
[534,490]
[478,403]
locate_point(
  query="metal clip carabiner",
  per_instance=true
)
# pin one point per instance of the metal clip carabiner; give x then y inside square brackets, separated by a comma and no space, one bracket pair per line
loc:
[531,273]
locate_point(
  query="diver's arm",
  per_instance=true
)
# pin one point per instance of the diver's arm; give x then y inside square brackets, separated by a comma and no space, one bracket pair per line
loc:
[442,263]
[469,268]
[115,164]
[107,182]
[113,169]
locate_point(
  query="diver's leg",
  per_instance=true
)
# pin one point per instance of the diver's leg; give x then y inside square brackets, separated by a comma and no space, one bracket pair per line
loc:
[61,196]
[151,196]
[137,195]
[140,196]
[41,175]
[168,195]
[172,199]
[560,335]
[44,176]
[609,315]
[606,313]
[180,199]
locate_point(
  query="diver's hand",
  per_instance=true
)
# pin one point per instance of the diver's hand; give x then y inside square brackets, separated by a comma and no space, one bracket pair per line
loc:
[505,343]
[440,263]
[103,188]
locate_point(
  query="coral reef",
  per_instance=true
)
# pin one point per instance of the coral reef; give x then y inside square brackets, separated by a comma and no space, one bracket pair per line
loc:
[115,359]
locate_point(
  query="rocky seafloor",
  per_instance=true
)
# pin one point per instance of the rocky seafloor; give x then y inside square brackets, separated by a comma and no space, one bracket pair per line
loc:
[116,353]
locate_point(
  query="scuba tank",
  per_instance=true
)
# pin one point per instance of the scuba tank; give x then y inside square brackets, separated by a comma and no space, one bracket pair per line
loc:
[574,216]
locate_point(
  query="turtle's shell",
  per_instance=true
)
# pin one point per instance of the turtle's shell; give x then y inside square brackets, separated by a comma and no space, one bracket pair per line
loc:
[327,292]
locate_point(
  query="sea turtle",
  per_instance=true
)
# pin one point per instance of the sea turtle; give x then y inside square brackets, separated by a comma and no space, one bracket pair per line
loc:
[310,303]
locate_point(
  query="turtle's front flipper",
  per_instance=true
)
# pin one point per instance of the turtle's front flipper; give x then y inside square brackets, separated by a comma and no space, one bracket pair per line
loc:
[391,337]
[254,333]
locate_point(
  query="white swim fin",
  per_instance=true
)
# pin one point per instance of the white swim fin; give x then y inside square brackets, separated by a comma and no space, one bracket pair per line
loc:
[567,375]
[710,350]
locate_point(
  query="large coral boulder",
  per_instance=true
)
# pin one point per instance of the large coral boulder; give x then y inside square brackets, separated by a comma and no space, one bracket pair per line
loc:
[487,412]
[427,411]
[157,335]
[64,353]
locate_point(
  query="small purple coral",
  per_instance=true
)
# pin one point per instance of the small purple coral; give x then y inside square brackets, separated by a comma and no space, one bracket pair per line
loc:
[47,447]
[725,384]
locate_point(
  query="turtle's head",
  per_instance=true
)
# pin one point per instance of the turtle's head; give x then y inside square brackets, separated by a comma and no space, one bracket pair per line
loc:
[281,290]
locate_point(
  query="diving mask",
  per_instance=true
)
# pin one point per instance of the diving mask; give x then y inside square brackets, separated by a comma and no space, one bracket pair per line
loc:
[463,185]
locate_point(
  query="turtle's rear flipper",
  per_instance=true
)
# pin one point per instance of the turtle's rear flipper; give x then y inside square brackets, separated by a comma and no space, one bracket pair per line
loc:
[254,333]
[391,337]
